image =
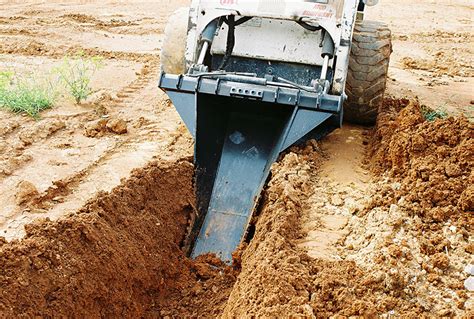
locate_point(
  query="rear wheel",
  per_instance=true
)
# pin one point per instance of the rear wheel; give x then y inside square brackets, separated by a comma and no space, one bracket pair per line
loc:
[174,44]
[368,68]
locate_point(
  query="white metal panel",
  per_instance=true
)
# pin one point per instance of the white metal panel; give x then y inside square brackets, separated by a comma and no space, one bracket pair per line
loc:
[277,40]
[322,9]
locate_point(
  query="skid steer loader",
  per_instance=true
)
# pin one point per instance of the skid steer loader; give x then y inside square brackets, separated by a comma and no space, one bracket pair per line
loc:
[252,78]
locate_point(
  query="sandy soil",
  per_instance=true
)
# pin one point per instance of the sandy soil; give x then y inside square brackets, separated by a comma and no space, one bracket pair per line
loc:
[433,58]
[371,222]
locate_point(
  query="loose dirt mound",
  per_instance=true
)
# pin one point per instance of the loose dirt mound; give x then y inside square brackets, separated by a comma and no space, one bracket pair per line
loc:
[432,160]
[417,231]
[119,256]
[279,280]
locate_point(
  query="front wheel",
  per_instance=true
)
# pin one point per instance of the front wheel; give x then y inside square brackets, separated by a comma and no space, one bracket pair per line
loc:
[367,75]
[173,59]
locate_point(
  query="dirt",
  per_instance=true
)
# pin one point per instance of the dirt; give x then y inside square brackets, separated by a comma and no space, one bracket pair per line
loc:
[118,256]
[418,224]
[59,267]
[433,159]
[278,278]
[97,198]
[433,55]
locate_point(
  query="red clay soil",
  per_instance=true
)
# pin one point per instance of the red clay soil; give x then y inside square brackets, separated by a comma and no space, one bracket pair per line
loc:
[118,257]
[206,295]
[279,280]
[432,160]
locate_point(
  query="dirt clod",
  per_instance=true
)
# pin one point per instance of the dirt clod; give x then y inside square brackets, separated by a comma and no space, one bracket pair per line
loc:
[117,126]
[440,261]
[26,192]
[100,127]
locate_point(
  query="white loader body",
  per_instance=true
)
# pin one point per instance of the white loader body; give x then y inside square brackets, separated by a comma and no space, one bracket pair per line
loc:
[273,34]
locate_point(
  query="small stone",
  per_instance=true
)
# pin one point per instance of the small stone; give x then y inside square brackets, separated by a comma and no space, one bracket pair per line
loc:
[469,270]
[95,128]
[59,199]
[39,211]
[396,186]
[118,126]
[469,283]
[337,200]
[394,210]
[25,193]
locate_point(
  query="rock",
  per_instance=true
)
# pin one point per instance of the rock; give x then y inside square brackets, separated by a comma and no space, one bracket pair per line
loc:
[25,193]
[469,283]
[469,270]
[396,186]
[336,200]
[59,199]
[39,211]
[395,216]
[117,126]
[95,128]
[394,211]
[440,261]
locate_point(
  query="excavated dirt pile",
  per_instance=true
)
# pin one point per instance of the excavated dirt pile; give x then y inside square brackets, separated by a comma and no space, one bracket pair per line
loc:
[279,280]
[416,233]
[432,160]
[118,257]
[404,254]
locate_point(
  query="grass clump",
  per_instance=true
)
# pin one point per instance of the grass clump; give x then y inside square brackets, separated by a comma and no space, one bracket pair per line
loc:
[76,73]
[28,94]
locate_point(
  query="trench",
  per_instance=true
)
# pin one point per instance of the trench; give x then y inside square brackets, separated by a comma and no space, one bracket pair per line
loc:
[121,256]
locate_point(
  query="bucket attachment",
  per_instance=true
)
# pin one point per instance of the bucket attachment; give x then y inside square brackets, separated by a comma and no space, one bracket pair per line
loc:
[240,129]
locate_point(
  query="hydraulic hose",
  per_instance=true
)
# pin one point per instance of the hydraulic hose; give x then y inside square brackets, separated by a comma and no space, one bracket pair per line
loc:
[230,41]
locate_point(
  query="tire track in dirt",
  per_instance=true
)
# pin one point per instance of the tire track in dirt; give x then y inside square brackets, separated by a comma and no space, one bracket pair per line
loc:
[38,48]
[13,152]
[338,190]
[146,139]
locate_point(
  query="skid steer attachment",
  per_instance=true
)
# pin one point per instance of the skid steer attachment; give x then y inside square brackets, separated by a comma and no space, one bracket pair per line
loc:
[252,83]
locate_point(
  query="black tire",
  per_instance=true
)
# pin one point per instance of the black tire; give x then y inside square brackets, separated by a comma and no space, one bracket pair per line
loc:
[174,44]
[368,68]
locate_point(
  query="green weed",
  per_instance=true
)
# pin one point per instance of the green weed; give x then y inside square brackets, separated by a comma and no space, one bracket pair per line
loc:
[26,94]
[5,78]
[76,73]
